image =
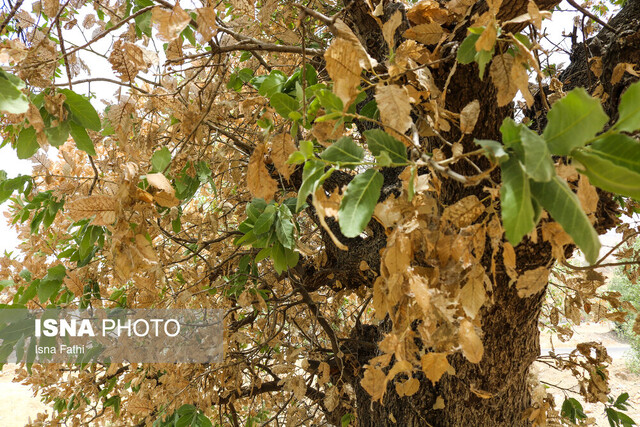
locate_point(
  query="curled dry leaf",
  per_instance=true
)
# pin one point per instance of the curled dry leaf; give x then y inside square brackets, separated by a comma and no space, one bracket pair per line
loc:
[469,116]
[395,107]
[427,34]
[620,69]
[281,148]
[103,207]
[206,23]
[346,59]
[588,196]
[259,182]
[464,212]
[472,297]
[532,282]
[170,23]
[509,259]
[389,28]
[435,365]
[470,342]
[374,382]
[160,182]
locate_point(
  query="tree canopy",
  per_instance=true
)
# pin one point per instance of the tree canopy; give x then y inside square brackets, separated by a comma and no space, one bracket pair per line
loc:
[378,195]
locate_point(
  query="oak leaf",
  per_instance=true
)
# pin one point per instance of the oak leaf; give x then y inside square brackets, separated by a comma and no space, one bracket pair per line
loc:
[469,116]
[532,282]
[281,148]
[408,387]
[464,212]
[395,107]
[472,297]
[103,207]
[374,382]
[389,28]
[427,34]
[170,23]
[434,365]
[159,181]
[500,72]
[259,182]
[470,342]
[346,59]
[206,23]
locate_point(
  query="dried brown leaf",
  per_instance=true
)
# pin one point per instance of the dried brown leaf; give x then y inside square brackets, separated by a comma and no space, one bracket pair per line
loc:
[103,207]
[259,182]
[532,282]
[170,23]
[463,212]
[427,34]
[470,342]
[281,148]
[206,23]
[389,28]
[434,365]
[374,382]
[500,72]
[395,107]
[469,116]
[472,297]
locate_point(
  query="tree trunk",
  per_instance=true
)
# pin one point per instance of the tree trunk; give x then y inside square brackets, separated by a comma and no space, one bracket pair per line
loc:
[494,392]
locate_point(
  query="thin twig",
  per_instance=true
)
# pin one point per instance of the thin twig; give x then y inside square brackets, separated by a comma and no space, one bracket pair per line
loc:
[592,16]
[95,175]
[64,54]
[11,14]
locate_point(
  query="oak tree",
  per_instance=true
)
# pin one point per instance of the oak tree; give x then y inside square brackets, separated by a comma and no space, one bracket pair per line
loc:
[377,194]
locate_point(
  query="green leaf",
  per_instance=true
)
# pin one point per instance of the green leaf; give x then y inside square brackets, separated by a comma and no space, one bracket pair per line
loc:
[51,283]
[283,258]
[608,175]
[161,159]
[493,149]
[311,174]
[379,141]
[619,149]
[371,110]
[629,109]
[621,400]
[344,152]
[564,206]
[515,201]
[467,50]
[272,84]
[537,159]
[27,144]
[285,228]
[12,100]
[329,101]
[573,120]
[264,222]
[58,135]
[284,104]
[82,109]
[359,202]
[143,24]
[81,138]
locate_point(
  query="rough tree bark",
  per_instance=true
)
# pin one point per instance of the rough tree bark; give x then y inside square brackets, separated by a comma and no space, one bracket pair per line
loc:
[510,325]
